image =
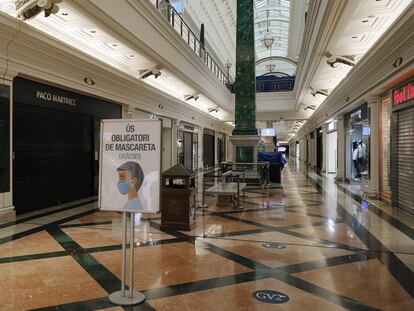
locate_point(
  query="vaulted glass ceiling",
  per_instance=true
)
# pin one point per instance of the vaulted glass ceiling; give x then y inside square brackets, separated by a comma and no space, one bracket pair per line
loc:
[272,18]
[272,21]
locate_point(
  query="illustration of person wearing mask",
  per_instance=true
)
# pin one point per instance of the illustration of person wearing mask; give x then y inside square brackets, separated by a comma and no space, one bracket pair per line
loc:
[130,181]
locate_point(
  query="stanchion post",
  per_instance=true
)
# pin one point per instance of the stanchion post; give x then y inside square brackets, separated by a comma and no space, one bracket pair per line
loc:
[124,237]
[203,198]
[238,191]
[133,298]
[244,189]
[131,256]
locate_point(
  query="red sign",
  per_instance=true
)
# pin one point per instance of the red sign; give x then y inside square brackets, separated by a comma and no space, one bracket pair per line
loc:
[403,94]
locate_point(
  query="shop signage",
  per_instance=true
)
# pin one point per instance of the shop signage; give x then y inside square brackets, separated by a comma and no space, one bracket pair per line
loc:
[55,98]
[46,96]
[130,165]
[270,296]
[403,94]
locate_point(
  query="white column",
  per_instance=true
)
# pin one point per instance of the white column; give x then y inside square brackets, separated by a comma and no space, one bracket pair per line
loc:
[315,148]
[7,211]
[174,133]
[374,150]
[128,112]
[324,148]
[340,124]
[200,147]
[216,134]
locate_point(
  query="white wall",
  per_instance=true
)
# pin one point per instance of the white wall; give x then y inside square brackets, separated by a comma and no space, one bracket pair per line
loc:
[332,146]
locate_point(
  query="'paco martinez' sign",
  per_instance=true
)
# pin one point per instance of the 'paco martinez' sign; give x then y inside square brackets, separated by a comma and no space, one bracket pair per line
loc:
[55,98]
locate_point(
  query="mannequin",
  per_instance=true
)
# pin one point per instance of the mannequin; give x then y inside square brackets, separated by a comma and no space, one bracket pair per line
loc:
[355,159]
[362,155]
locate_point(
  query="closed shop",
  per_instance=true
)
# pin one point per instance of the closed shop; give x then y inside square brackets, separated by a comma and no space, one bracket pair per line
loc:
[55,144]
[402,147]
[187,146]
[208,148]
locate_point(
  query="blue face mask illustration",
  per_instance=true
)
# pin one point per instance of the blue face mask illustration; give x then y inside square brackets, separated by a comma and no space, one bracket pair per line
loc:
[123,186]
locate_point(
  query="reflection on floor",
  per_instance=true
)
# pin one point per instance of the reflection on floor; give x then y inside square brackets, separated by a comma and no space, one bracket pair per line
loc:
[317,243]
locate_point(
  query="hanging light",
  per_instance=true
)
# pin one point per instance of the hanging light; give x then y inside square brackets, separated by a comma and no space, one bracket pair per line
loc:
[268,38]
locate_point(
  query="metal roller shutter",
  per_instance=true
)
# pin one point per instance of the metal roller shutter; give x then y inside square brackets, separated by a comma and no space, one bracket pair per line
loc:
[53,157]
[405,156]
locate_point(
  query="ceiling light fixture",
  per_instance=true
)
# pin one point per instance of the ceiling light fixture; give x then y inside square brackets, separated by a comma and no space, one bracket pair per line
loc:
[268,38]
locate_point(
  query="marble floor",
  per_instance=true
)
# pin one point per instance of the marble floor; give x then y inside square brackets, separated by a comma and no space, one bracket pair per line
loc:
[308,245]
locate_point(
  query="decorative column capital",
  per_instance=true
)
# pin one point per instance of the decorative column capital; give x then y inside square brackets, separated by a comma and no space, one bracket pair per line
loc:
[371,99]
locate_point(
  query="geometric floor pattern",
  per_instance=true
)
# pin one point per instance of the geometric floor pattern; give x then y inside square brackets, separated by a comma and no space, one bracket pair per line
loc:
[316,242]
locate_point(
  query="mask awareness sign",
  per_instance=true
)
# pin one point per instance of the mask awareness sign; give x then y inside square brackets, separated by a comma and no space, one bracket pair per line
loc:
[130,166]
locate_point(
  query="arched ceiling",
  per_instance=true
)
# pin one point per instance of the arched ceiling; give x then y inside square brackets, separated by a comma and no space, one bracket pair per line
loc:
[284,21]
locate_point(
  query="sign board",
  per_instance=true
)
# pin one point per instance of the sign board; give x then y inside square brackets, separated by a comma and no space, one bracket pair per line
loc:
[402,94]
[130,166]
[268,132]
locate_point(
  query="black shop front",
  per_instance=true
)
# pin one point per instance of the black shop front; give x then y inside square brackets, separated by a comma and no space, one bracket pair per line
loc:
[55,144]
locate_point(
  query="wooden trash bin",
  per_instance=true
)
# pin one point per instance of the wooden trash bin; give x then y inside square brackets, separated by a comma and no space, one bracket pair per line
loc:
[178,198]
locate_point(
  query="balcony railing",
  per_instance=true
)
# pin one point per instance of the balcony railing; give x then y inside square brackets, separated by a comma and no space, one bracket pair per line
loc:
[270,84]
[176,21]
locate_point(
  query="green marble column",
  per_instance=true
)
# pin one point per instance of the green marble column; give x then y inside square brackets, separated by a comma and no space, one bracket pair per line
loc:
[245,110]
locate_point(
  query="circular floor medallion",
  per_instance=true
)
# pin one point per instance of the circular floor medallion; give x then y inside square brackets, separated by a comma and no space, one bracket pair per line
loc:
[270,296]
[276,219]
[274,245]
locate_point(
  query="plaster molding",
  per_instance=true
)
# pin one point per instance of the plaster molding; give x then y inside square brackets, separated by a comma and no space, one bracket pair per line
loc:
[323,17]
[372,73]
[34,54]
[205,81]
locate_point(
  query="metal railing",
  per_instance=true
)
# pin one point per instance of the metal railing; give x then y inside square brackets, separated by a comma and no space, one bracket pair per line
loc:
[269,86]
[176,21]
[275,86]
[260,170]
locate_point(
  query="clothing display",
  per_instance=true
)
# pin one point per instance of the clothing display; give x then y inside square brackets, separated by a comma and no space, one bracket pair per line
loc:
[356,160]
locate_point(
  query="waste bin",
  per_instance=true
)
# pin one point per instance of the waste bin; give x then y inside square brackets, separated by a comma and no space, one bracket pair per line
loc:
[178,198]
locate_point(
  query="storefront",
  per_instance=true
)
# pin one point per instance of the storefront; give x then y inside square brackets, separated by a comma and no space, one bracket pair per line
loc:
[358,133]
[208,148]
[5,158]
[55,144]
[221,147]
[402,146]
[166,155]
[319,150]
[331,148]
[187,146]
